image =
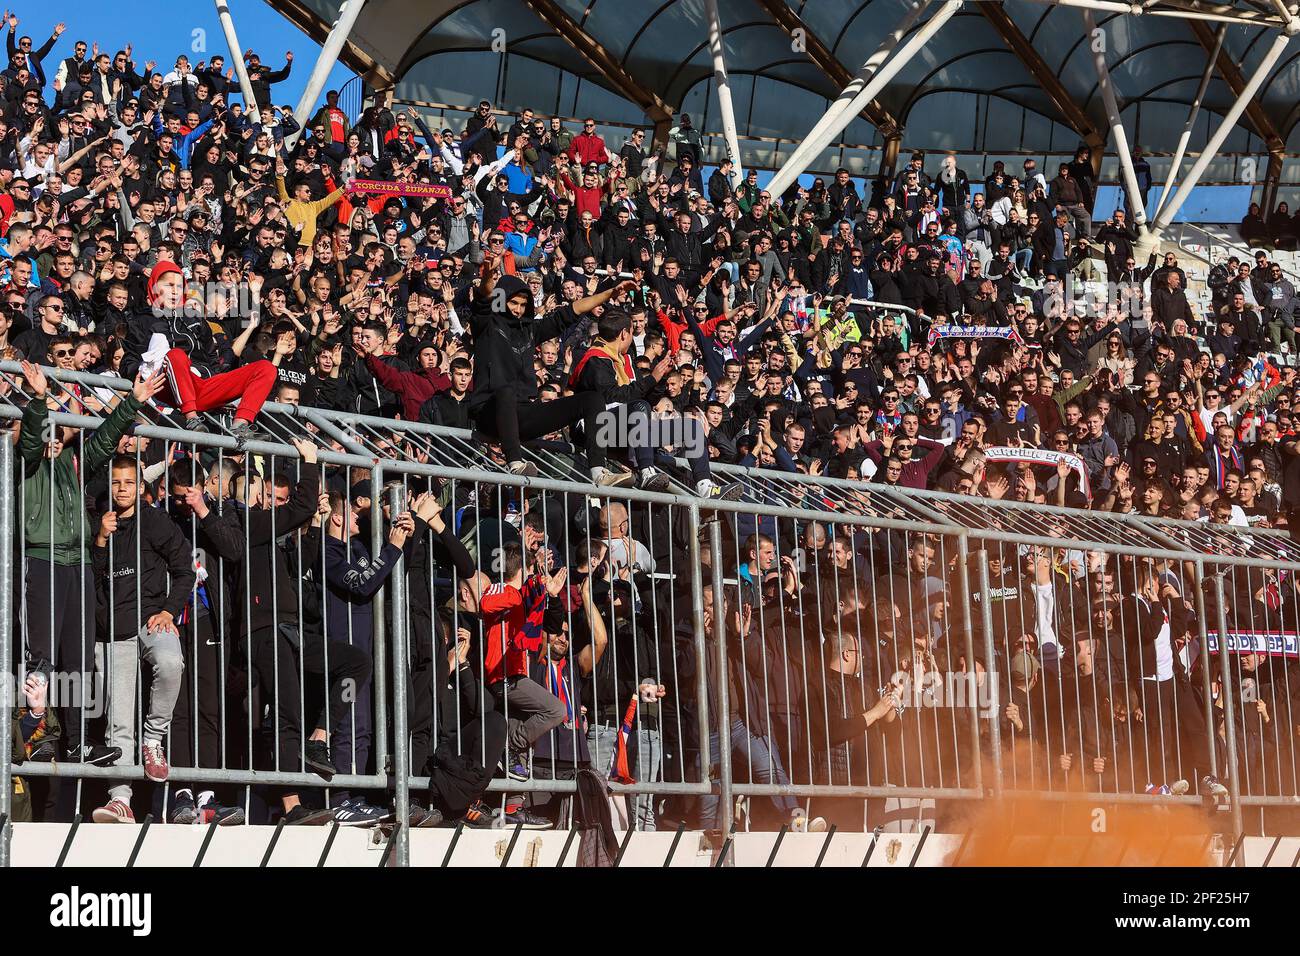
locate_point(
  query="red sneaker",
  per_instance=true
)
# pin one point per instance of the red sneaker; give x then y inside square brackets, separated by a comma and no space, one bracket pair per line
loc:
[155,761]
[115,811]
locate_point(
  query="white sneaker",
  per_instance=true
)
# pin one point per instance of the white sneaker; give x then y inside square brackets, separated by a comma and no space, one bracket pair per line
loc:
[525,468]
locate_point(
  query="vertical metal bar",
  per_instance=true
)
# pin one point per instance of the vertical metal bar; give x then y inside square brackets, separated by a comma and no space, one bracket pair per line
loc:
[627,838]
[401,743]
[672,850]
[380,681]
[963,556]
[1118,135]
[510,847]
[329,842]
[388,847]
[875,838]
[270,847]
[207,839]
[825,846]
[1229,707]
[992,674]
[568,842]
[67,841]
[139,841]
[1207,689]
[723,89]
[726,810]
[8,682]
[237,55]
[776,847]
[455,838]
[920,844]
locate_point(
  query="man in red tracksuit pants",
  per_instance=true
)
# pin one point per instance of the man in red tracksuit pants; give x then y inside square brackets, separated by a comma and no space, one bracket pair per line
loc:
[201,375]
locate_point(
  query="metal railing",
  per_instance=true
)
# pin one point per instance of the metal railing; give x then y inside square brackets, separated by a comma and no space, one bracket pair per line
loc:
[873,655]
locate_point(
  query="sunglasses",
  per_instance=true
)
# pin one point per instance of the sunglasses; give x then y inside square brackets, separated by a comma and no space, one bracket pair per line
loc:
[62,353]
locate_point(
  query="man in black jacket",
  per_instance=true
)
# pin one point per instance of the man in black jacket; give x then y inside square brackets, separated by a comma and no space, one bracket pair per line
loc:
[504,400]
[261,77]
[145,575]
[283,651]
[607,370]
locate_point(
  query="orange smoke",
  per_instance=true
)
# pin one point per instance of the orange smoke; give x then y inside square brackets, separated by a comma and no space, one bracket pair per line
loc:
[1034,831]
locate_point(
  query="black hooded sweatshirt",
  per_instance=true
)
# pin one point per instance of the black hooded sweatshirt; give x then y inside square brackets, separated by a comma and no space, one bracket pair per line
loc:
[504,346]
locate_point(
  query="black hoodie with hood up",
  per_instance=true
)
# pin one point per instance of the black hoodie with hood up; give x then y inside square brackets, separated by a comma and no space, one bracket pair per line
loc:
[504,346]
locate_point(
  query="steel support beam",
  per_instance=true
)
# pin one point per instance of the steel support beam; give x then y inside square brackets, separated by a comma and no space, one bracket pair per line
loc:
[1178,9]
[1186,136]
[1231,74]
[351,55]
[1046,77]
[791,171]
[825,60]
[723,88]
[1117,134]
[329,55]
[600,60]
[889,155]
[1147,242]
[842,111]
[237,54]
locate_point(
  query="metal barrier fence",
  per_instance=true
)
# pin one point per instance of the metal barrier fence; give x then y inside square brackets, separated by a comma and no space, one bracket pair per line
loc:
[820,647]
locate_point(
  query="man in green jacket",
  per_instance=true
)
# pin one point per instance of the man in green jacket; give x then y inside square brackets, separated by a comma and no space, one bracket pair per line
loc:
[59,595]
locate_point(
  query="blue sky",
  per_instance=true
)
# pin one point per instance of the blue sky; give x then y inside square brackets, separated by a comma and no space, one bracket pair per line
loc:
[163,29]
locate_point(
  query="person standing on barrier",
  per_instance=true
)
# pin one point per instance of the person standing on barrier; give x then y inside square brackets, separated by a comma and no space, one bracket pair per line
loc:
[59,592]
[169,336]
[844,747]
[205,625]
[282,651]
[145,576]
[760,753]
[353,576]
[512,613]
[506,336]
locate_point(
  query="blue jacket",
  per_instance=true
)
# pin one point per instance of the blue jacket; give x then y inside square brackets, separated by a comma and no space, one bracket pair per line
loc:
[182,145]
[352,579]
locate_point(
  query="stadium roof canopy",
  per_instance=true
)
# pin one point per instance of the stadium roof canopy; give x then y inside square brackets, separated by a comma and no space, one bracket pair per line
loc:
[653,53]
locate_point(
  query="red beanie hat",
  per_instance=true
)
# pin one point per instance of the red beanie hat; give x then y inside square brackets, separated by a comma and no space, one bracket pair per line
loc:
[161,269]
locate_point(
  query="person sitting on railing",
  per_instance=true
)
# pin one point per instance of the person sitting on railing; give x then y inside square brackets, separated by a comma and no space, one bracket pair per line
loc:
[59,599]
[167,337]
[506,335]
[145,572]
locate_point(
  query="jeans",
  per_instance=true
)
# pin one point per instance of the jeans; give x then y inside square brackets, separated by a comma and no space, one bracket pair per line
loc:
[602,741]
[1023,258]
[530,710]
[765,768]
[115,663]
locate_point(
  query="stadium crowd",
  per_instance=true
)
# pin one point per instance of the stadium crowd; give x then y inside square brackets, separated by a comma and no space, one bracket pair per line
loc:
[993,342]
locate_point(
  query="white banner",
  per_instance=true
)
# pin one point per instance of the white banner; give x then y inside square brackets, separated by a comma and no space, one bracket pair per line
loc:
[1276,643]
[1041,456]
